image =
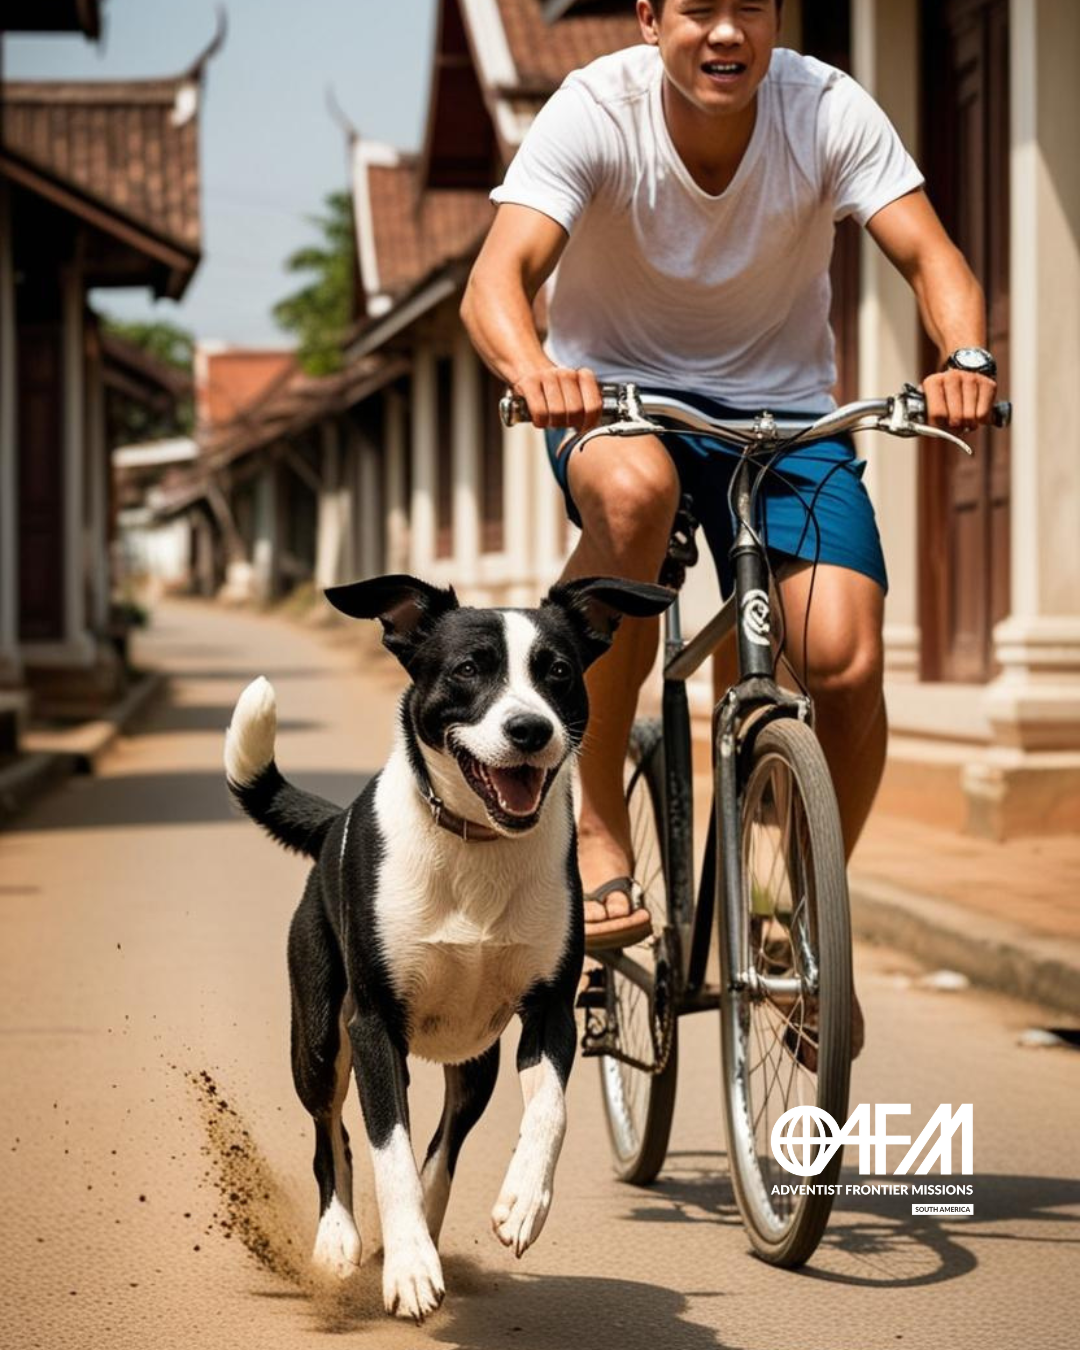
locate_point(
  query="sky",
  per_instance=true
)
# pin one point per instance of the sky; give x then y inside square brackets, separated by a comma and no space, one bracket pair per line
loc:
[270,150]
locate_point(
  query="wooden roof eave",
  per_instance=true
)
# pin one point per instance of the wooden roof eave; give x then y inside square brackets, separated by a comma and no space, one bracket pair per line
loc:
[178,260]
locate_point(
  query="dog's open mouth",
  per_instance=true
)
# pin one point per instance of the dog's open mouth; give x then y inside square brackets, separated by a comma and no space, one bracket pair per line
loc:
[512,795]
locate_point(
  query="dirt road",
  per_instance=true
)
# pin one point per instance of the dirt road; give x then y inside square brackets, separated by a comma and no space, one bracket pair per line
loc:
[157,1188]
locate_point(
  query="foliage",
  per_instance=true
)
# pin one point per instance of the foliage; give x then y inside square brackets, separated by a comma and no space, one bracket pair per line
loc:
[132,422]
[319,313]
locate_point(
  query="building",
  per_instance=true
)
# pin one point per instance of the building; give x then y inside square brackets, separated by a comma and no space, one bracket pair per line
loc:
[99,187]
[983,616]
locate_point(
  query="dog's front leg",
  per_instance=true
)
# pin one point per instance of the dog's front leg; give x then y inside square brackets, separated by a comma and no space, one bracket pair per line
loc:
[545,1057]
[412,1276]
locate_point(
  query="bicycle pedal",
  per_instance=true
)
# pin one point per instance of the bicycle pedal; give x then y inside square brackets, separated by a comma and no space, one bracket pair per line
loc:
[592,999]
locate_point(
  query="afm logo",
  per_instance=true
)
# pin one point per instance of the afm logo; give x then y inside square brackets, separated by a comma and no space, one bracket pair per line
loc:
[805,1138]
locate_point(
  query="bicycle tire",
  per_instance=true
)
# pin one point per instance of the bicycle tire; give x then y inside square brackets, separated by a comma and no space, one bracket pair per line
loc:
[638,1104]
[796,919]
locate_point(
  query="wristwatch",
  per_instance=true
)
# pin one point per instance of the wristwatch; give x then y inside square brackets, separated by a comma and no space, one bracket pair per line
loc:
[972,361]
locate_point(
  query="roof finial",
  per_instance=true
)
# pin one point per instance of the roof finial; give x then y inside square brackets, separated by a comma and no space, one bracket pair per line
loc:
[195,70]
[340,116]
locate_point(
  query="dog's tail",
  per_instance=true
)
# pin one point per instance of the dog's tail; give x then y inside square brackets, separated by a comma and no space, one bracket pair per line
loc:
[297,819]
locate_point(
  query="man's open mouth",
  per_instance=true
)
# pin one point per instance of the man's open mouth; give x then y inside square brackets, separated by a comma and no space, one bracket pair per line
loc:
[511,794]
[723,69]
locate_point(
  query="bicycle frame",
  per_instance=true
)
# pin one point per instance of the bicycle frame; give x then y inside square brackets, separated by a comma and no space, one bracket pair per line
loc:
[749,609]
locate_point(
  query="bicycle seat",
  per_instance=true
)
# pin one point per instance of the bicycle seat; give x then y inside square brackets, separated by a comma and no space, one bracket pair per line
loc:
[682,549]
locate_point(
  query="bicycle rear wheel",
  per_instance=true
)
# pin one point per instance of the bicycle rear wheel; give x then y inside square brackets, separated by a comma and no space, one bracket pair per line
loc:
[638,1081]
[786,1015]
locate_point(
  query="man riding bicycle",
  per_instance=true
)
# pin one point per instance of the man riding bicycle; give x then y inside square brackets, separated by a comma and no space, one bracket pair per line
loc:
[687,189]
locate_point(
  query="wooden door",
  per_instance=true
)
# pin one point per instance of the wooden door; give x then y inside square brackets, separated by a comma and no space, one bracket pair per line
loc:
[964,503]
[41,483]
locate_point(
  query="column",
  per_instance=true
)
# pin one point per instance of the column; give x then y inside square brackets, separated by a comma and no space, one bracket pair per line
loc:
[422,503]
[466,433]
[396,507]
[328,541]
[1030,779]
[10,663]
[522,447]
[79,644]
[886,62]
[369,508]
[99,469]
[264,553]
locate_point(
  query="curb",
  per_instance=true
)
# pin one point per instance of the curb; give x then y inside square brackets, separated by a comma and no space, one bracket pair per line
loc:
[52,756]
[989,951]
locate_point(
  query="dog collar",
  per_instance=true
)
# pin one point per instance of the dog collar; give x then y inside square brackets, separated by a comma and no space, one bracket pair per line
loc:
[469,830]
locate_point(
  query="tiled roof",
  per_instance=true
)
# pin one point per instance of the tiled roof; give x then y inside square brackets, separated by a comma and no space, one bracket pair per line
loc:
[231,380]
[413,238]
[544,54]
[130,146]
[293,403]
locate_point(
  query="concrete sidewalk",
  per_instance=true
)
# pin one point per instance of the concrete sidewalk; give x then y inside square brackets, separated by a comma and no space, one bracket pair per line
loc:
[1007,915]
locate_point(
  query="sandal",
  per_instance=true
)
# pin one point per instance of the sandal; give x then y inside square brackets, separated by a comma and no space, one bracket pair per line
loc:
[622,930]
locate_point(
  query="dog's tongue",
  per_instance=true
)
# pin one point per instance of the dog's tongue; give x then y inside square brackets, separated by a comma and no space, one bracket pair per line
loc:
[518,789]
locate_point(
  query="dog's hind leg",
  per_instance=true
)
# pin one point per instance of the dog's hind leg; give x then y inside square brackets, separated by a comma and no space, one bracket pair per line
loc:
[321,1061]
[412,1274]
[468,1091]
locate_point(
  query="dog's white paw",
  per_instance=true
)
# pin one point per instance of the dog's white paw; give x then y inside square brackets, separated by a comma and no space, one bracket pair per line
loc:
[412,1279]
[521,1209]
[337,1243]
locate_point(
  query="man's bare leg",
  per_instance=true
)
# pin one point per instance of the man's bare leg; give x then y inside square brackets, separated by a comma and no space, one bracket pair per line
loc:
[626,492]
[842,665]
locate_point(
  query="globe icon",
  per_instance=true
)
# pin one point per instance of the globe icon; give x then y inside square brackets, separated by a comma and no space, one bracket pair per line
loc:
[804,1139]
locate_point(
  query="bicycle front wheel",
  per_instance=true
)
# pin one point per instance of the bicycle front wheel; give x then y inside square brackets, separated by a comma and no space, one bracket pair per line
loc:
[785,951]
[638,1080]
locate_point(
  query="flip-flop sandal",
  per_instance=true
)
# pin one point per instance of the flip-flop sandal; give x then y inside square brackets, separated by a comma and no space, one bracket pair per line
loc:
[623,930]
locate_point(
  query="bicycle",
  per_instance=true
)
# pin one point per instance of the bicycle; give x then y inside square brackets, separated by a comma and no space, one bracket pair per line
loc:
[779,894]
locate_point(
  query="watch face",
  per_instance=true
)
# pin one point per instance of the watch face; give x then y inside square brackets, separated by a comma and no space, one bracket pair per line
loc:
[972,358]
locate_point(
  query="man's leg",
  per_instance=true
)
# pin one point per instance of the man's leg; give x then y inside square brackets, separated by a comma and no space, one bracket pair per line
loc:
[626,492]
[843,668]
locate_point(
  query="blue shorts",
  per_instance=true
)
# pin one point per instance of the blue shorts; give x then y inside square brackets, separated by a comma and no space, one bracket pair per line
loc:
[813,505]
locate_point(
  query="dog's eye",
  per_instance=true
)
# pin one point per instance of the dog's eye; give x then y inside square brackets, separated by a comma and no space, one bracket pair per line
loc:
[466,670]
[560,670]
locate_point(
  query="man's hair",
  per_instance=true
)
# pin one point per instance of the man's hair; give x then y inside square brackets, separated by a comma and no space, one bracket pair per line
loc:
[658,6]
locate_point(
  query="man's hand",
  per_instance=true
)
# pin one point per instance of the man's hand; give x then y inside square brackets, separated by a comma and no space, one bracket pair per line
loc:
[560,397]
[958,400]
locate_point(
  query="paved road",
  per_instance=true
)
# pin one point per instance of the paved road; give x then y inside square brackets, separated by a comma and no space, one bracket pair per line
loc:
[157,1188]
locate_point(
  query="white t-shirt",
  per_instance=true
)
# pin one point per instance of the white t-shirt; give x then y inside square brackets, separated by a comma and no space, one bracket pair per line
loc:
[663,283]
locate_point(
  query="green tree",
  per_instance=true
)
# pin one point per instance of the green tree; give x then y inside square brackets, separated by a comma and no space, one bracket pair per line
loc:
[318,314]
[131,420]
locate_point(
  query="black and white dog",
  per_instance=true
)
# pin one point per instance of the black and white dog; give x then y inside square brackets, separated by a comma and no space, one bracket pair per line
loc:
[445,899]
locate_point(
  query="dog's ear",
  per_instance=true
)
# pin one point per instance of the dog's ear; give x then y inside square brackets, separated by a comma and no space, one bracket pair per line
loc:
[595,605]
[406,607]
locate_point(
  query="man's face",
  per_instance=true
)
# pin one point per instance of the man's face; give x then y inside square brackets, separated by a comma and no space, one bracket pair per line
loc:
[715,52]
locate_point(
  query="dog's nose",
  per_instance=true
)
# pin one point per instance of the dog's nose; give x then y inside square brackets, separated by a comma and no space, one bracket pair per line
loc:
[528,731]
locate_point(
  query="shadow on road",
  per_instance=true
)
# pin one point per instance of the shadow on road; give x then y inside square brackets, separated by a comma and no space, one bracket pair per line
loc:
[490,1310]
[204,717]
[875,1241]
[242,674]
[165,799]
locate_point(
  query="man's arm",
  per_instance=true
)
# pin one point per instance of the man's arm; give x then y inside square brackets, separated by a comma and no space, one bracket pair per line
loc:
[951,305]
[518,256]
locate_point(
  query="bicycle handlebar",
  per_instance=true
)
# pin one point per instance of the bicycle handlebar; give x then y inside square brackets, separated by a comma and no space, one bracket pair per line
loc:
[628,412]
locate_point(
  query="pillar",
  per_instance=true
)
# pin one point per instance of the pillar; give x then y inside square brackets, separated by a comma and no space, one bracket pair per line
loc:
[1030,779]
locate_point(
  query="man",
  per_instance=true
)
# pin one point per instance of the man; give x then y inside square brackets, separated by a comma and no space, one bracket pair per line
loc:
[688,190]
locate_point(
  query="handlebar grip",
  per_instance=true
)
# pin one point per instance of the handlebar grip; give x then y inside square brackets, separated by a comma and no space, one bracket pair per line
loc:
[1002,414]
[513,409]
